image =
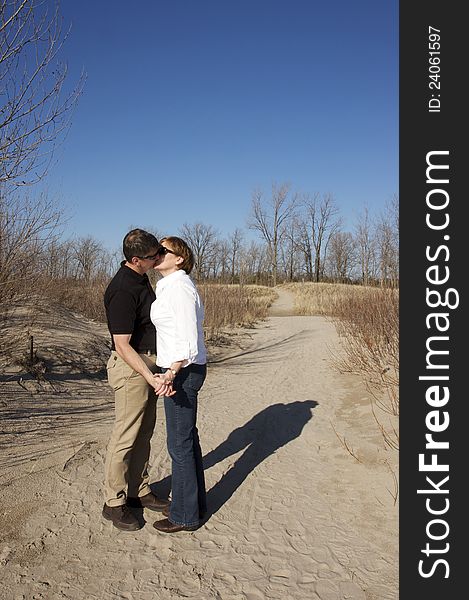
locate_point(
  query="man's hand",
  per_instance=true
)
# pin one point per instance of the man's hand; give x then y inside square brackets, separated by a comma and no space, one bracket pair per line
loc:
[134,360]
[161,386]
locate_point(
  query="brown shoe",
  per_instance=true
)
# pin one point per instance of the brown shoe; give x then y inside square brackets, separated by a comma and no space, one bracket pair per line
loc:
[149,501]
[165,526]
[121,517]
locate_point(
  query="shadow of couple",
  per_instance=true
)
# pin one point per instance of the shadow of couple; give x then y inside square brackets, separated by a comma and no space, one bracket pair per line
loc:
[260,437]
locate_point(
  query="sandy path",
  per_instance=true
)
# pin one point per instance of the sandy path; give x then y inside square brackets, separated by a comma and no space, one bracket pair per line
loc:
[293,515]
[283,305]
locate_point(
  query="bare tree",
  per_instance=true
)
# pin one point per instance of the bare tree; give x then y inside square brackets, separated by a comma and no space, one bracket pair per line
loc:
[321,222]
[341,256]
[290,248]
[57,259]
[388,243]
[270,218]
[366,248]
[35,109]
[89,255]
[306,249]
[113,260]
[202,240]
[27,226]
[35,113]
[254,263]
[235,245]
[217,264]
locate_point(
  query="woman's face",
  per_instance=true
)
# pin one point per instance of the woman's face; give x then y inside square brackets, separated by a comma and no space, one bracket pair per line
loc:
[167,260]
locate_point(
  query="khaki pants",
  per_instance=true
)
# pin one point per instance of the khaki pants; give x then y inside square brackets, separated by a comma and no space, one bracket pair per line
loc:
[128,450]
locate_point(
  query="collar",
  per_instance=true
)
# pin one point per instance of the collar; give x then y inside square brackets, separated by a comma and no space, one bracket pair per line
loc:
[180,274]
[133,273]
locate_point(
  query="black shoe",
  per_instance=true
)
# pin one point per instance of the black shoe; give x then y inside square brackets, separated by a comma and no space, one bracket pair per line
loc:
[121,517]
[149,501]
[165,526]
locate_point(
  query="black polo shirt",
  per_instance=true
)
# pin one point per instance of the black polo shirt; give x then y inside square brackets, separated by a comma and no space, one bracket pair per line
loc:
[127,301]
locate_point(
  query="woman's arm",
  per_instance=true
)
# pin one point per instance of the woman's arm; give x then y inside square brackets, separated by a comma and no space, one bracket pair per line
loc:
[183,305]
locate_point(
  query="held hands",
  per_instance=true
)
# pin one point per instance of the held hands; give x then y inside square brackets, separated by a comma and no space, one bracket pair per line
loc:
[163,382]
[163,385]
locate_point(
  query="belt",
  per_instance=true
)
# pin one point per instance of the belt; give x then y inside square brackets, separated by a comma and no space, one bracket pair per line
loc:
[147,352]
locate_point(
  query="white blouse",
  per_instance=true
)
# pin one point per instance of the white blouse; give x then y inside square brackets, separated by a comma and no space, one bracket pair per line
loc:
[178,314]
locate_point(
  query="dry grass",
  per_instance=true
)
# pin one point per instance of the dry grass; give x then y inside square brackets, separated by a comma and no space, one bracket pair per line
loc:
[228,306]
[81,297]
[370,327]
[367,319]
[225,305]
[321,298]
[16,323]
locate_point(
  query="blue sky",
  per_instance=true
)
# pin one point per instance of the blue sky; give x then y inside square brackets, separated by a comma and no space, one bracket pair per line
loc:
[188,106]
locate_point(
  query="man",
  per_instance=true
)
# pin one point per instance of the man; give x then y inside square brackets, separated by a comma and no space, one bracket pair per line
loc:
[130,368]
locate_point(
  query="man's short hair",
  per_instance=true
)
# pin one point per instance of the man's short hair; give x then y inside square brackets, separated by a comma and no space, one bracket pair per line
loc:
[139,242]
[180,248]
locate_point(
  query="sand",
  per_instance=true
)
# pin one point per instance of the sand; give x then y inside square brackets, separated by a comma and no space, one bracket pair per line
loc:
[293,515]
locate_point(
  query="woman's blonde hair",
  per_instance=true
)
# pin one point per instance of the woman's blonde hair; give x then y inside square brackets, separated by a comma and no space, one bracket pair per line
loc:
[180,248]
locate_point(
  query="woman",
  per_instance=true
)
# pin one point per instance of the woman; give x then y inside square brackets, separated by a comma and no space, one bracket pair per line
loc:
[177,314]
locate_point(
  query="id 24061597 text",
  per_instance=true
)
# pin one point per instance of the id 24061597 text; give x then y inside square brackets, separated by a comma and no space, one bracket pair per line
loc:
[434,84]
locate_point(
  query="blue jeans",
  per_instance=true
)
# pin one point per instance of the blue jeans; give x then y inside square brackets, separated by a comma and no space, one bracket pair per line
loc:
[188,495]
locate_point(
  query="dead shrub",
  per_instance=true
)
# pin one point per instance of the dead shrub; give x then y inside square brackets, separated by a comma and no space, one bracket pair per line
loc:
[367,319]
[369,325]
[228,306]
[84,297]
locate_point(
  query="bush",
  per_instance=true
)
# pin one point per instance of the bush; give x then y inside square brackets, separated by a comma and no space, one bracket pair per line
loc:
[367,319]
[233,306]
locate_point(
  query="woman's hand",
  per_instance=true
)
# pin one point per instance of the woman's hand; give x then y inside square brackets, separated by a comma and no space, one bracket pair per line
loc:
[167,377]
[162,386]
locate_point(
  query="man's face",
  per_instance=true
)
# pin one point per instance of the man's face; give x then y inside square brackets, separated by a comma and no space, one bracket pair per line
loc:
[147,262]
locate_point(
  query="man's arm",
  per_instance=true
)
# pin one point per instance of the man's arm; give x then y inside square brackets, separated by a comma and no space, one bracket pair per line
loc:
[135,361]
